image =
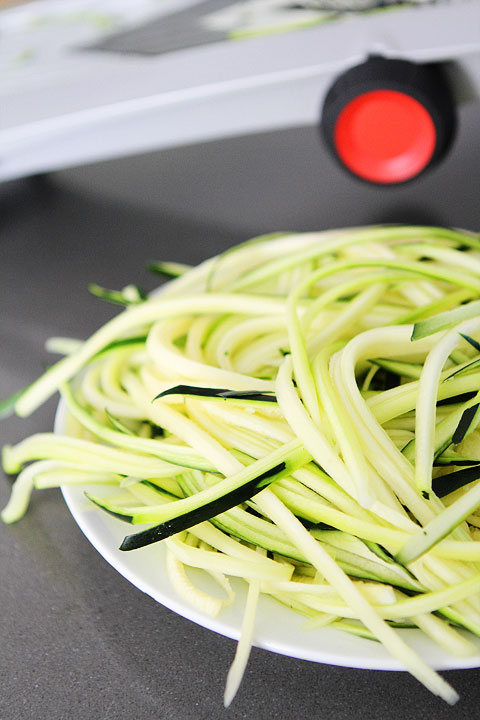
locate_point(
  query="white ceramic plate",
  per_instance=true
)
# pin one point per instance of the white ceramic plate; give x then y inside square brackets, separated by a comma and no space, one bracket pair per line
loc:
[278,629]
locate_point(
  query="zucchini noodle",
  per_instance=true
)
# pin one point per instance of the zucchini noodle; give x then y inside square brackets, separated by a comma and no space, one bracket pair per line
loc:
[301,412]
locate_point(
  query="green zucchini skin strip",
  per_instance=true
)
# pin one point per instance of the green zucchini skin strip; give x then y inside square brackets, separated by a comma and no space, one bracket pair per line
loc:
[399,367]
[468,416]
[136,340]
[168,269]
[458,422]
[119,297]
[205,512]
[221,393]
[438,528]
[446,484]
[471,340]
[452,458]
[445,320]
[219,505]
[105,506]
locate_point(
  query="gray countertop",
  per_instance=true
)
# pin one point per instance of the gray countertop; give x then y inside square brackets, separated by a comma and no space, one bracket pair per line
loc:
[77,640]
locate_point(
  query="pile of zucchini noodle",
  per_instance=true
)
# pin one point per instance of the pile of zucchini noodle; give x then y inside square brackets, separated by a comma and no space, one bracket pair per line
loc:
[300,411]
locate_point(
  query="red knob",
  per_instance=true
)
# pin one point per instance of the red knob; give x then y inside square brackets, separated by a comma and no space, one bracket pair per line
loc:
[387,121]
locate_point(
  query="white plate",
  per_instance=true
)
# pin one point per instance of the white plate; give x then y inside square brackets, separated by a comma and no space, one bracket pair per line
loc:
[278,629]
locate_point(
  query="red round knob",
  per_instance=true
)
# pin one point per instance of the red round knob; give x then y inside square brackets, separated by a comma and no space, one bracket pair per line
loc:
[387,121]
[385,136]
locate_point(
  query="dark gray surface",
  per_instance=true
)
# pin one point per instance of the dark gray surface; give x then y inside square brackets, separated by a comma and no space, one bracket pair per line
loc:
[77,640]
